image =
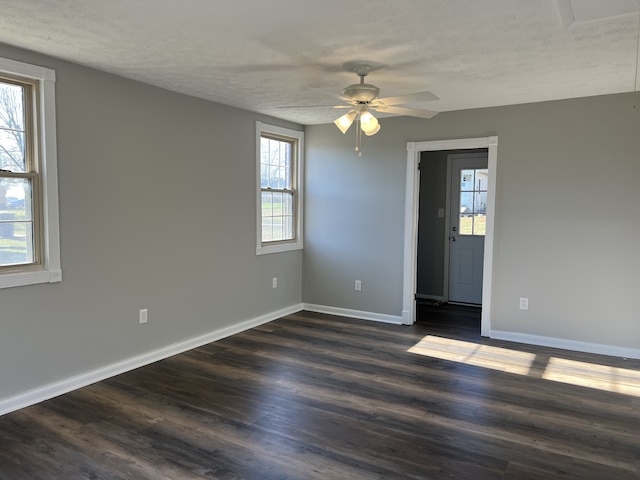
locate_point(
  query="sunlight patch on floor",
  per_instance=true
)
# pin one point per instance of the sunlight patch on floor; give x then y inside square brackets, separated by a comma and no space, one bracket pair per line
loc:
[583,374]
[495,358]
[602,377]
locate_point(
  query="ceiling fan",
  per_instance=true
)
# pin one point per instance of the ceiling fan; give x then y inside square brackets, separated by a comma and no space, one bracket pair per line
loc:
[362,99]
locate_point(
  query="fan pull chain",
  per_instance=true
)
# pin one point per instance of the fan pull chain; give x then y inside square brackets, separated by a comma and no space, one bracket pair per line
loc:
[358,137]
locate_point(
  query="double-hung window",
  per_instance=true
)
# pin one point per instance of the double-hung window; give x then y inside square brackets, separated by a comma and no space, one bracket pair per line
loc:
[29,245]
[279,196]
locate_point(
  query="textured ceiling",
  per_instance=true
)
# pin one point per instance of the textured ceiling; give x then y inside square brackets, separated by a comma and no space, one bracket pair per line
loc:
[260,55]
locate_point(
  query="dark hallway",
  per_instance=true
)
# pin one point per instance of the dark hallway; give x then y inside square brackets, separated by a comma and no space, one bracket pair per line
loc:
[447,317]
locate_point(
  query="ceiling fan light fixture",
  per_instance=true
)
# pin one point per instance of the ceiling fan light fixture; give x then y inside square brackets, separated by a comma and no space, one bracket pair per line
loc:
[345,121]
[369,124]
[373,131]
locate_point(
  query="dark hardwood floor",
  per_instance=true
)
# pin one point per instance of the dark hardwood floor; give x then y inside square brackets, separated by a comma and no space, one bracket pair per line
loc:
[312,396]
[461,319]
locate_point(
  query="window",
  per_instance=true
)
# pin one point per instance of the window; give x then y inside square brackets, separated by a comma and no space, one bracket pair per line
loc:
[473,201]
[279,195]
[29,243]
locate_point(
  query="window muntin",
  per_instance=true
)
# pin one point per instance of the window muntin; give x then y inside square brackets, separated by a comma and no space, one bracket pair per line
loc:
[20,220]
[279,200]
[473,201]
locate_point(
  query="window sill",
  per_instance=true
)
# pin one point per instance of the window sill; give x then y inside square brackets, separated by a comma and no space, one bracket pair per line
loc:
[280,247]
[19,279]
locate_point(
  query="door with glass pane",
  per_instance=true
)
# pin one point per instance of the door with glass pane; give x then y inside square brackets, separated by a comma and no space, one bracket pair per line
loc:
[468,210]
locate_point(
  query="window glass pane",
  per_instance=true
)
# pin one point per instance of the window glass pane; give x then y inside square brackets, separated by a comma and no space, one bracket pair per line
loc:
[277,204]
[480,202]
[15,197]
[288,204]
[267,204]
[288,216]
[275,164]
[280,181]
[12,153]
[278,229]
[466,224]
[16,242]
[482,179]
[479,224]
[16,221]
[287,177]
[11,107]
[267,229]
[12,135]
[466,180]
[466,202]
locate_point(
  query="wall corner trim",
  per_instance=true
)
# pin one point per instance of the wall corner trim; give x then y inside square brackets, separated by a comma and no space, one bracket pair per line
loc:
[345,312]
[45,392]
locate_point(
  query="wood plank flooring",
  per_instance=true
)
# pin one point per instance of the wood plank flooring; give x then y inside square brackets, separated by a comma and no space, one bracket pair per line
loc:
[313,396]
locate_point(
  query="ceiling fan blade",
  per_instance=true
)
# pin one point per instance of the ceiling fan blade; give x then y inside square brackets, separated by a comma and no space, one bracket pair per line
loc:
[342,98]
[412,112]
[408,98]
[315,106]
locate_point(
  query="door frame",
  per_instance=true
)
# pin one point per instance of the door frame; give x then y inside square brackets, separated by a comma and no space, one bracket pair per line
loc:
[412,192]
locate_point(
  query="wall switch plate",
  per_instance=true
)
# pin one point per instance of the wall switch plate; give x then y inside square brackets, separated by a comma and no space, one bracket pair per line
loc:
[274,282]
[358,286]
[144,315]
[441,213]
[524,303]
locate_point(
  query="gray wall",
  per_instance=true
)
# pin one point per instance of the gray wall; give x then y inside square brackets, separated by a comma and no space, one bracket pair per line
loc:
[157,210]
[566,226]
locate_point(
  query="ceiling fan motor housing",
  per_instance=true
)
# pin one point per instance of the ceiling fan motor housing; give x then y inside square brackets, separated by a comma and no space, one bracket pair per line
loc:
[361,92]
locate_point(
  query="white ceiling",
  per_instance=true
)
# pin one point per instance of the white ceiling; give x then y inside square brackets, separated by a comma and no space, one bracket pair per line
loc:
[260,55]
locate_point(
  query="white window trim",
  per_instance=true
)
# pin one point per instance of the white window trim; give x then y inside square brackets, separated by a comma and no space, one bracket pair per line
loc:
[296,244]
[50,272]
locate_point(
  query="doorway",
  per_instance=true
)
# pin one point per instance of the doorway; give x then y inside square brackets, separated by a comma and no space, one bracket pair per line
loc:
[414,150]
[451,226]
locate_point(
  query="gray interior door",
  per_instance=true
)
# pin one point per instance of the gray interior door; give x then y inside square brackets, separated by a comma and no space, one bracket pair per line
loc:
[468,198]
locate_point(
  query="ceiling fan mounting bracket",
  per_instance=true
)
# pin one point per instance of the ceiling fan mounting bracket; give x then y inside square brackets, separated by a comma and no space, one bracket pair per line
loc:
[362,71]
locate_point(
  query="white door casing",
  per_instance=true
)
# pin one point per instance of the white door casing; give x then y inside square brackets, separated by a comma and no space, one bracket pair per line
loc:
[414,150]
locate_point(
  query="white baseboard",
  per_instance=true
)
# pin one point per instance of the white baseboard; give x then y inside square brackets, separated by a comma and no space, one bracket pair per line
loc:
[345,312]
[423,296]
[51,390]
[567,344]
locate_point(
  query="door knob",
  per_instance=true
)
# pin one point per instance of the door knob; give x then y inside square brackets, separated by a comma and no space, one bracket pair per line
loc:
[452,238]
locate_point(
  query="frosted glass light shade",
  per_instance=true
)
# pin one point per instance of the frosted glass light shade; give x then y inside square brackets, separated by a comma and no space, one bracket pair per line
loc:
[345,121]
[369,124]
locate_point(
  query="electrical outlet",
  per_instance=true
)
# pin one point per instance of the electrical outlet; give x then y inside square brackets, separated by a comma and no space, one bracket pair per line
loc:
[144,315]
[358,286]
[524,303]
[274,282]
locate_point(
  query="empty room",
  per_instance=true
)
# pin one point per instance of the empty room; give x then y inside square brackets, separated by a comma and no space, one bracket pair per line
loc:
[319,240]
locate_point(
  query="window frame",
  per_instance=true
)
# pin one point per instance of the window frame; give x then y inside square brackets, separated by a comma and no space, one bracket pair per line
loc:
[46,268]
[297,137]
